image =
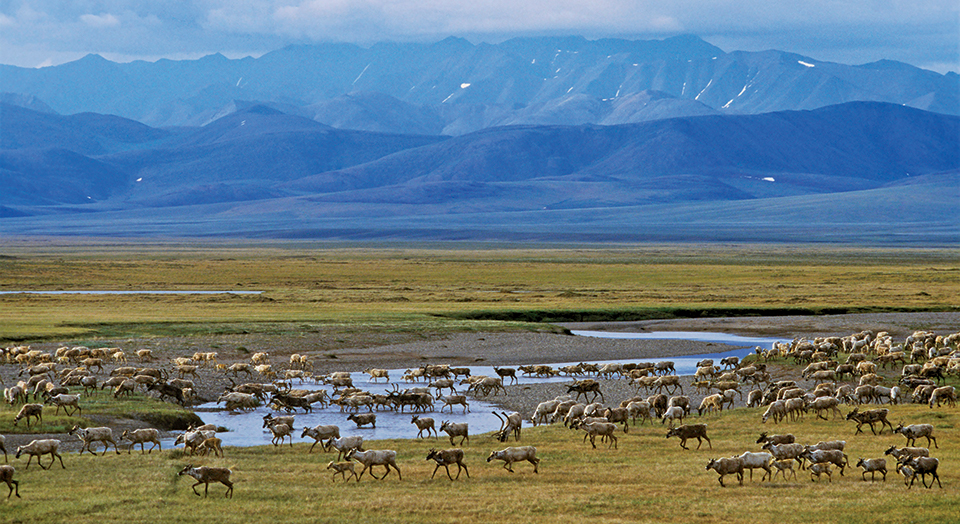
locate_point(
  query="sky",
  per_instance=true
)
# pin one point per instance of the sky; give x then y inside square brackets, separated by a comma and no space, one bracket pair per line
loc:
[38,33]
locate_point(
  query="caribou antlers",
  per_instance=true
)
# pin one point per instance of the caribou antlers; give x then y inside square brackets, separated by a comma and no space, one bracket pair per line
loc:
[508,424]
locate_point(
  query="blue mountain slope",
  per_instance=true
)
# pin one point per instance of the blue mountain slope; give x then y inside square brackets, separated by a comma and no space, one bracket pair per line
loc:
[873,143]
[250,123]
[507,82]
[26,101]
[370,111]
[882,216]
[85,133]
[33,177]
[247,156]
[239,157]
[250,171]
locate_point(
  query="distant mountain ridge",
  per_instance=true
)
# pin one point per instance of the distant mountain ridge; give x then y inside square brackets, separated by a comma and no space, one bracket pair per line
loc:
[238,157]
[259,172]
[532,139]
[454,87]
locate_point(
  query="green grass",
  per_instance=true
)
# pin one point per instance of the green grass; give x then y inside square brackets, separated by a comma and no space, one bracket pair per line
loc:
[444,290]
[648,479]
[358,297]
[164,415]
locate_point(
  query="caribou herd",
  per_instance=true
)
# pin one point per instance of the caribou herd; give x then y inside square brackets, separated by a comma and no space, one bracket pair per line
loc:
[855,373]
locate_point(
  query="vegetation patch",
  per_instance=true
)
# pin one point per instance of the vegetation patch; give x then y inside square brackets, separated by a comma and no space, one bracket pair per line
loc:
[647,479]
[639,314]
[411,290]
[99,406]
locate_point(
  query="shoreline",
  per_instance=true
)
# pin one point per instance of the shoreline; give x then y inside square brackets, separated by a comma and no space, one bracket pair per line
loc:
[898,325]
[525,348]
[512,349]
[517,349]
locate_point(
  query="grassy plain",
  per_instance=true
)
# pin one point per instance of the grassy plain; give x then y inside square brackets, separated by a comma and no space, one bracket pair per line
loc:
[647,479]
[424,292]
[419,290]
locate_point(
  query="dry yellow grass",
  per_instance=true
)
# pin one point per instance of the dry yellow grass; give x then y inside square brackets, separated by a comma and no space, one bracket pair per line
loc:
[648,479]
[365,286]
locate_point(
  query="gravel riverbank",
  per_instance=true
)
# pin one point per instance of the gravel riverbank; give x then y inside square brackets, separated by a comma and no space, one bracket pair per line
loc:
[509,349]
[513,349]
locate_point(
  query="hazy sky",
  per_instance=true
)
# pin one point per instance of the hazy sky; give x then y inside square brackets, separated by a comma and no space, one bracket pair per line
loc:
[925,33]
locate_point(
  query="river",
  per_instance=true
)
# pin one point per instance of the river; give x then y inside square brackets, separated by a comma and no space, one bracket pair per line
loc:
[246,428]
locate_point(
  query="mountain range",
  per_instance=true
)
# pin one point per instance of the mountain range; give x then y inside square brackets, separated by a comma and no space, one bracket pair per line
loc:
[259,171]
[454,87]
[553,140]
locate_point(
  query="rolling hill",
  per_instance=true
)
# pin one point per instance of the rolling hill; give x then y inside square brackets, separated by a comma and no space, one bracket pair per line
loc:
[854,172]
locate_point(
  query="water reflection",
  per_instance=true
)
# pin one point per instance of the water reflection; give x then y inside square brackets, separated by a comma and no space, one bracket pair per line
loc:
[246,428]
[687,365]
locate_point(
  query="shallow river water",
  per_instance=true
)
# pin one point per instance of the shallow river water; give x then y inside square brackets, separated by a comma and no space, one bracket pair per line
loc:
[246,428]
